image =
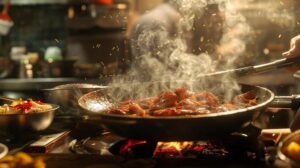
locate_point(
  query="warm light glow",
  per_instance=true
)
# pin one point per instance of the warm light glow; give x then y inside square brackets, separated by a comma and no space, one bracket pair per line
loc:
[179,146]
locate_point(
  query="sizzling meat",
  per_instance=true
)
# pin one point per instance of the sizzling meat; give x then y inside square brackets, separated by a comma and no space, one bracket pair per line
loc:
[182,102]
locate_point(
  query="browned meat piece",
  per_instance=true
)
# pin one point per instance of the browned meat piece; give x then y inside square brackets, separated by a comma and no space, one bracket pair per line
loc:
[166,112]
[137,109]
[246,99]
[148,103]
[123,110]
[207,98]
[182,93]
[197,111]
[166,99]
[183,103]
[226,107]
[191,104]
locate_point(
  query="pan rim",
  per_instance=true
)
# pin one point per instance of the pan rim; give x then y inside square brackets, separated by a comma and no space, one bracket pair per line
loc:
[210,115]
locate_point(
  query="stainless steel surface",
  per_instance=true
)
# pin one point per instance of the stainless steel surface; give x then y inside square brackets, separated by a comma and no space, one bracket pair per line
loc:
[8,99]
[35,84]
[171,127]
[67,95]
[76,86]
[17,123]
[280,63]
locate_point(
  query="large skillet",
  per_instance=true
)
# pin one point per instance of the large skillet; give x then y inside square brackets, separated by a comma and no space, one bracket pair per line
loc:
[172,128]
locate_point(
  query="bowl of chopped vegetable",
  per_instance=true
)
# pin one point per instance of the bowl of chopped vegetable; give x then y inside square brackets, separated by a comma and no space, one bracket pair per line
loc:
[289,149]
[26,115]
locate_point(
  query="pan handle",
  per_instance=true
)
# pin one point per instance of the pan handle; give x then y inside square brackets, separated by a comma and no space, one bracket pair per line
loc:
[292,102]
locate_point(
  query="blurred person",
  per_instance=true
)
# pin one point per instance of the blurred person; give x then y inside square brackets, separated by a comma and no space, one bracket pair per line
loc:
[164,34]
[168,17]
[294,50]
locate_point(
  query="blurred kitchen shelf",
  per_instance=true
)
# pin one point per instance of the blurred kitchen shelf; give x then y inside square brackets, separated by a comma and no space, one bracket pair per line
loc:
[35,84]
[45,2]
[37,2]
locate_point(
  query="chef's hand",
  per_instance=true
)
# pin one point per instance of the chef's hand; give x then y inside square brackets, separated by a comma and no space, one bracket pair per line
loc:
[294,48]
[293,52]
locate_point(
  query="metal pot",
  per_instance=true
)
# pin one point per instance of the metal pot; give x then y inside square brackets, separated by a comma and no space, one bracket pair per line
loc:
[18,123]
[66,96]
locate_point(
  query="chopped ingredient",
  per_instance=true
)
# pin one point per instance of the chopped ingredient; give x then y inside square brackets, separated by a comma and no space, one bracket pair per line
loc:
[24,107]
[182,102]
[22,160]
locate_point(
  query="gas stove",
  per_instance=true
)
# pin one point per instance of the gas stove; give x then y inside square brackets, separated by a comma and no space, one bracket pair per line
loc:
[83,146]
[243,146]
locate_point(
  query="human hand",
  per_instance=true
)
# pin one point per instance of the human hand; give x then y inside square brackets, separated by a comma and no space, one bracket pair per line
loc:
[293,52]
[294,48]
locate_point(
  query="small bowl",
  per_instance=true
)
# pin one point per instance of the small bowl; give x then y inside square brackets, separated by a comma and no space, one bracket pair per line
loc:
[31,122]
[284,153]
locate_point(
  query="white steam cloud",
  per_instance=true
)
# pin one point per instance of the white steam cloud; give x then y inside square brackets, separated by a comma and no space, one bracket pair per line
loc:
[162,41]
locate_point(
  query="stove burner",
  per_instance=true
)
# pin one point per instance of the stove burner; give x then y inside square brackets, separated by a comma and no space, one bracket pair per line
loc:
[96,145]
[243,145]
[189,149]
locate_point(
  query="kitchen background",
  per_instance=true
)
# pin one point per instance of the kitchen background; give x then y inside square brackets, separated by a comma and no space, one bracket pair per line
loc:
[55,42]
[94,35]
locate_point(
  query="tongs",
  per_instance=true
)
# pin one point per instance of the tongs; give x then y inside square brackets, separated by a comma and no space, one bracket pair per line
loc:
[277,64]
[76,86]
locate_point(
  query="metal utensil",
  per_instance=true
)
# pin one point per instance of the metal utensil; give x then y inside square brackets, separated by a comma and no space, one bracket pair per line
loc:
[8,99]
[76,86]
[66,96]
[257,68]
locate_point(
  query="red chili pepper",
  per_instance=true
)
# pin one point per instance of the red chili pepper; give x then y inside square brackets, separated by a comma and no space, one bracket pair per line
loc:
[102,2]
[24,107]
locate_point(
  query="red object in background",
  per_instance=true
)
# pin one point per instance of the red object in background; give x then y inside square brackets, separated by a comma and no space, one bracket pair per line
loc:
[130,143]
[102,2]
[4,14]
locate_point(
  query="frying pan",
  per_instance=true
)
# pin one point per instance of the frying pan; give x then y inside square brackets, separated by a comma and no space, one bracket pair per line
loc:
[178,127]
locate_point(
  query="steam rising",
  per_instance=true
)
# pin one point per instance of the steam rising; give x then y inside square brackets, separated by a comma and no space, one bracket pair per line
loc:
[161,47]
